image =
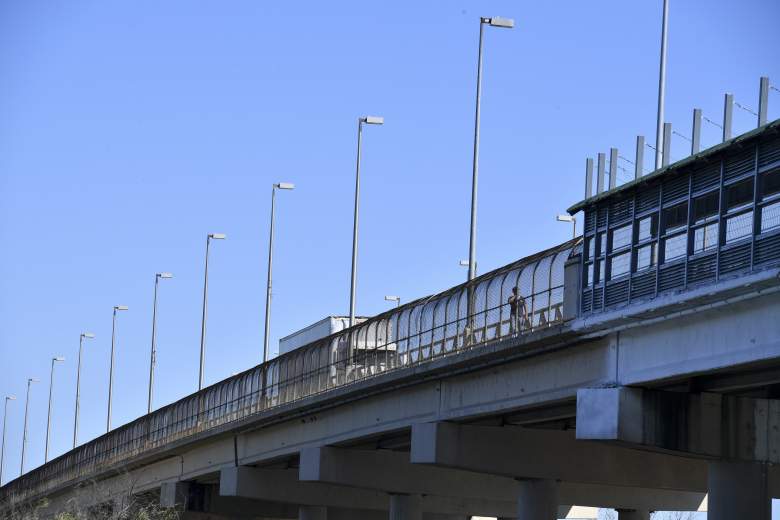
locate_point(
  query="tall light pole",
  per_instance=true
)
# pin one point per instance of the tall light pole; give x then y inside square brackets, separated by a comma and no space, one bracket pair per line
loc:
[2,446]
[368,120]
[280,186]
[659,128]
[82,337]
[48,417]
[24,434]
[505,23]
[569,218]
[153,360]
[111,366]
[396,299]
[209,237]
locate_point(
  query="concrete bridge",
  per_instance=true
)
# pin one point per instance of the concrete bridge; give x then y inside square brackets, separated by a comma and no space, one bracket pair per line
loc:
[638,371]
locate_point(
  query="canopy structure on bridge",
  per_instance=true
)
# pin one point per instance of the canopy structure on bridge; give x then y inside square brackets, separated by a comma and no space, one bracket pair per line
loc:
[467,316]
[711,216]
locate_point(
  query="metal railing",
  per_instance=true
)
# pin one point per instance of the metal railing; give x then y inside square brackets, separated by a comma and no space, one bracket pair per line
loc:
[414,333]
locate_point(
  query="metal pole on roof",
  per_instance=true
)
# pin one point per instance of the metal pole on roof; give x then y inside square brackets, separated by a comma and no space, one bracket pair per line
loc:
[728,109]
[588,177]
[763,100]
[640,156]
[696,131]
[667,152]
[613,159]
[659,139]
[602,158]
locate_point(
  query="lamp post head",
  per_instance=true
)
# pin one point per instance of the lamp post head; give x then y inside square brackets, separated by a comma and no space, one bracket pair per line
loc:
[463,263]
[218,236]
[392,298]
[33,380]
[373,120]
[164,275]
[10,398]
[87,335]
[58,358]
[120,308]
[285,186]
[565,218]
[497,21]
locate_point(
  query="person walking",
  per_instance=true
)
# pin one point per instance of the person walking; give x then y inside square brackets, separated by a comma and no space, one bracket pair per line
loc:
[517,310]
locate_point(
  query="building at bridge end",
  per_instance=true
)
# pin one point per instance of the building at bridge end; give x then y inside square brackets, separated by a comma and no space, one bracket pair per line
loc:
[710,217]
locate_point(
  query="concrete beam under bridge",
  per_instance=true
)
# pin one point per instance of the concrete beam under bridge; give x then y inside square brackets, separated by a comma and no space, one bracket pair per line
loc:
[204,499]
[282,485]
[549,454]
[358,468]
[707,424]
[740,437]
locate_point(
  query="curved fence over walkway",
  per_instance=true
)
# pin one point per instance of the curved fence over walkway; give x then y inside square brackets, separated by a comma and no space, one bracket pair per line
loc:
[463,317]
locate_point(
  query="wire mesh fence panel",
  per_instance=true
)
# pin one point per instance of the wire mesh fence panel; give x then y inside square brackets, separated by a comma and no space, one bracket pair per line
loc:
[451,323]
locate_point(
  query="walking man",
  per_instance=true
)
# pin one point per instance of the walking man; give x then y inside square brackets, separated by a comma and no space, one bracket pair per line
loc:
[517,311]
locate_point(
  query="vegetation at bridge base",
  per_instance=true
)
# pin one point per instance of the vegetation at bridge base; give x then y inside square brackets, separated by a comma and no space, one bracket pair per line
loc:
[93,501]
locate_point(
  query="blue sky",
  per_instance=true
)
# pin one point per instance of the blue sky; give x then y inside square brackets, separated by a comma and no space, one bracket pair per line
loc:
[128,131]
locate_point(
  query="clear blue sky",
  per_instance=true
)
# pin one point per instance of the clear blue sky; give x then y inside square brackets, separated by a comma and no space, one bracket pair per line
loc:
[129,130]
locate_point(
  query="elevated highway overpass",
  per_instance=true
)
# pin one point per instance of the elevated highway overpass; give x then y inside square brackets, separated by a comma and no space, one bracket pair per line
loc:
[640,371]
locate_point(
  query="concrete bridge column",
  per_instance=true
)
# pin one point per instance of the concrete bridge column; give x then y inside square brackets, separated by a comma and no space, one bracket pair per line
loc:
[537,500]
[738,490]
[633,514]
[312,513]
[406,507]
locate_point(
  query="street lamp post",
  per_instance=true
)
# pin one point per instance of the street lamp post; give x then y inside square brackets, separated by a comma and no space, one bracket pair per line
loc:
[82,337]
[111,366]
[281,186]
[659,135]
[569,218]
[2,446]
[396,299]
[153,360]
[369,120]
[48,417]
[24,434]
[494,22]
[209,237]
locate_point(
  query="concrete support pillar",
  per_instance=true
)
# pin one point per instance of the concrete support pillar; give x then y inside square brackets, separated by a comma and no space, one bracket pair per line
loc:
[633,514]
[738,490]
[312,513]
[406,507]
[537,500]
[174,494]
